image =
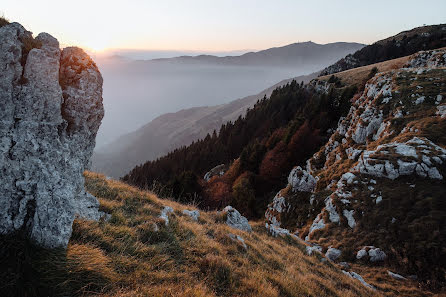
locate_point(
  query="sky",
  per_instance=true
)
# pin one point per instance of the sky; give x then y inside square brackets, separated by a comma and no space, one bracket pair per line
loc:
[219,25]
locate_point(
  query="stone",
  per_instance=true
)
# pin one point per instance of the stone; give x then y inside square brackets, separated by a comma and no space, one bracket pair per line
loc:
[377,255]
[396,275]
[194,214]
[317,224]
[301,180]
[275,208]
[218,170]
[238,239]
[50,111]
[354,275]
[235,220]
[313,248]
[165,214]
[331,209]
[277,231]
[350,219]
[333,254]
[361,254]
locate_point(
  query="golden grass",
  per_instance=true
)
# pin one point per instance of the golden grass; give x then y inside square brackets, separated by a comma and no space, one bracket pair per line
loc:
[126,256]
[135,254]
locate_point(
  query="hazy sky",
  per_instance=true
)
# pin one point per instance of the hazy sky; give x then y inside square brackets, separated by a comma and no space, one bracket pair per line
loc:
[219,25]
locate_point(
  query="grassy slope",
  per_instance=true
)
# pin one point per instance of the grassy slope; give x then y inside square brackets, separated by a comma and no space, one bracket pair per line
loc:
[189,258]
[126,257]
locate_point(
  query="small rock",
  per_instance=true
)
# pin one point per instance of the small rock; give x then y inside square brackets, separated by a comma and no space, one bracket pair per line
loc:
[194,214]
[332,254]
[396,275]
[301,180]
[354,275]
[344,265]
[165,214]
[239,239]
[311,249]
[235,220]
[377,255]
[361,254]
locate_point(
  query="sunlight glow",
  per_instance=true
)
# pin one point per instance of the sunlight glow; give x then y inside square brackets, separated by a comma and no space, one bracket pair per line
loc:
[218,25]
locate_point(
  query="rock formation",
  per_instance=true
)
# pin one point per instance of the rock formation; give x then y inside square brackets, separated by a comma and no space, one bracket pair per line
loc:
[235,220]
[384,160]
[51,108]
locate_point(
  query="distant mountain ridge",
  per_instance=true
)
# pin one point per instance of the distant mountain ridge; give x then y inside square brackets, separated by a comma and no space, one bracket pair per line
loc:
[284,56]
[173,130]
[138,91]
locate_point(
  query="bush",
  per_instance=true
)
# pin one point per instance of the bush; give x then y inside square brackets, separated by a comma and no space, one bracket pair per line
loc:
[3,21]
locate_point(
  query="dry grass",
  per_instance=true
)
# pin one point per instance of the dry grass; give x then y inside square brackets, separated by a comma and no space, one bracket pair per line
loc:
[188,258]
[357,75]
[128,256]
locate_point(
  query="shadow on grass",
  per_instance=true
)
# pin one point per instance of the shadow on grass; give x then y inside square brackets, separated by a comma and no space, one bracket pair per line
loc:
[29,270]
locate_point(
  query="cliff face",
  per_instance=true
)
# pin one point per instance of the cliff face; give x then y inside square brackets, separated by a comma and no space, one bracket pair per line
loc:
[379,181]
[50,111]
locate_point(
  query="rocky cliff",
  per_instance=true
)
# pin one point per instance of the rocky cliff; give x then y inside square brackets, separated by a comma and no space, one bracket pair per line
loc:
[50,111]
[375,191]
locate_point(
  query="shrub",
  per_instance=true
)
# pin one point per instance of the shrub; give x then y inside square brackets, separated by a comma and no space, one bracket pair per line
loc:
[3,21]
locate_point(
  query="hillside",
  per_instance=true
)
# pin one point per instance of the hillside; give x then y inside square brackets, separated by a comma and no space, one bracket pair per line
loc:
[402,44]
[136,253]
[138,91]
[372,143]
[259,151]
[173,130]
[379,179]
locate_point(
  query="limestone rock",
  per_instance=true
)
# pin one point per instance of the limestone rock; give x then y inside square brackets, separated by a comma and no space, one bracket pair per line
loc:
[165,214]
[333,254]
[50,111]
[194,214]
[238,239]
[310,249]
[301,180]
[396,275]
[354,275]
[377,255]
[235,220]
[218,170]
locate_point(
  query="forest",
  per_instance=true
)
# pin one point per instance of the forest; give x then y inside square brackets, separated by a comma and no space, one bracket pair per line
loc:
[259,150]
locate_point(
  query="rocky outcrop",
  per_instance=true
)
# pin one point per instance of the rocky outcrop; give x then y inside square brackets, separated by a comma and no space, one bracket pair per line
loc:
[218,170]
[50,111]
[165,214]
[235,220]
[333,254]
[301,180]
[194,214]
[385,159]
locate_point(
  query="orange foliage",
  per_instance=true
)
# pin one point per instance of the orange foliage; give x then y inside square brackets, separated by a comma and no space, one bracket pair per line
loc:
[274,161]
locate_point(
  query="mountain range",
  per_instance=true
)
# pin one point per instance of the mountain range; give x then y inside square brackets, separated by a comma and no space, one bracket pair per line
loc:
[329,185]
[176,81]
[354,161]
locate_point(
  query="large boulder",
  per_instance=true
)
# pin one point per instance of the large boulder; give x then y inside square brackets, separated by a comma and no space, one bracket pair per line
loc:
[50,110]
